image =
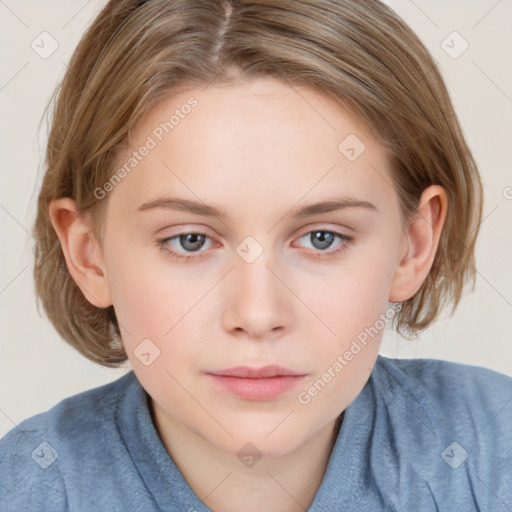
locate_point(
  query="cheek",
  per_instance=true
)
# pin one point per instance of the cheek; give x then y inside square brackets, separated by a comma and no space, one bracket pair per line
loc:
[147,301]
[353,315]
[352,296]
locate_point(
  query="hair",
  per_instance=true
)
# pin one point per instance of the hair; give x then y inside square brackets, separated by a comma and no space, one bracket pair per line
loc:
[361,55]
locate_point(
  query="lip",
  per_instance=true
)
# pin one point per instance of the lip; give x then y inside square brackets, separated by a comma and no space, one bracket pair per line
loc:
[249,372]
[260,384]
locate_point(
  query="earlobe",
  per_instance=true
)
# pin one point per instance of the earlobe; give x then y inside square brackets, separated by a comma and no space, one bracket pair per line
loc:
[420,241]
[83,254]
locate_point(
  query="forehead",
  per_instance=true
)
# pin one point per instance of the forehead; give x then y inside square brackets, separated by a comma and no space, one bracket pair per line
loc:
[261,142]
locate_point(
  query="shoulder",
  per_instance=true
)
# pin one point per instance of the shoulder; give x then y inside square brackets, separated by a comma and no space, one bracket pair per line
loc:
[448,425]
[447,382]
[69,430]
[449,393]
[459,407]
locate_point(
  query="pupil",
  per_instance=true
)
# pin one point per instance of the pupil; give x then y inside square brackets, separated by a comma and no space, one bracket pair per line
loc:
[196,241]
[324,238]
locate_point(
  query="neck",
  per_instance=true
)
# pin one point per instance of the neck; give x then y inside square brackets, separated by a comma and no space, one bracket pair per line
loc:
[286,483]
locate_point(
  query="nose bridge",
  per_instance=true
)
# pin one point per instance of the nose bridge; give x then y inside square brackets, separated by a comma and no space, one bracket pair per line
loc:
[255,279]
[257,301]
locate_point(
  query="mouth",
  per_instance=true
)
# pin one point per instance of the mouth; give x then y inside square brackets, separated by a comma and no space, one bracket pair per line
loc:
[260,384]
[249,372]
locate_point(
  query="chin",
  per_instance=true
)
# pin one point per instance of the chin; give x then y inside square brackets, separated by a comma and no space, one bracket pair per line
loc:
[257,445]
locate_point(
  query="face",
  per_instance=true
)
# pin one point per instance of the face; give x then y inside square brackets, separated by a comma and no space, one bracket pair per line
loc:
[253,283]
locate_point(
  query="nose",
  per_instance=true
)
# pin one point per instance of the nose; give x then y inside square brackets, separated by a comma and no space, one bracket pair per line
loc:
[258,300]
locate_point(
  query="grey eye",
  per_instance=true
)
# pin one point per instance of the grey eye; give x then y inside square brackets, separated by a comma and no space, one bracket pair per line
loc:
[323,238]
[192,241]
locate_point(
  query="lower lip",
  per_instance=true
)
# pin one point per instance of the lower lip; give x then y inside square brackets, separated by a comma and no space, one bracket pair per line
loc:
[257,389]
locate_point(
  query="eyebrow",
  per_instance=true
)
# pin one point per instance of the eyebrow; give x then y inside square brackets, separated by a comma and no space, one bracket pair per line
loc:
[199,208]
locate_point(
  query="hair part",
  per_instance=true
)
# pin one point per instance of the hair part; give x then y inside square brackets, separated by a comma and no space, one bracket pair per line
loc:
[361,55]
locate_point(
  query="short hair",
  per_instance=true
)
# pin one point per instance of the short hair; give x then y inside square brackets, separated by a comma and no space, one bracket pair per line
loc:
[362,55]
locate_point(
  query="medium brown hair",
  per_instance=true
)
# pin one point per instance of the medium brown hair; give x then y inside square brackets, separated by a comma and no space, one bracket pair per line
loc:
[360,54]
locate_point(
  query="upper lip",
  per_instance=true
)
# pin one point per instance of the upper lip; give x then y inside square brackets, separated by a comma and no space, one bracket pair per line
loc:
[255,373]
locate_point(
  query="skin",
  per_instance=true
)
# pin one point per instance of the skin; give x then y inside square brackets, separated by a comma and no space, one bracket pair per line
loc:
[256,150]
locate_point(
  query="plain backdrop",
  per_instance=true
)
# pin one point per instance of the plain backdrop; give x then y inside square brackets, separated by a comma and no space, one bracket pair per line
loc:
[38,369]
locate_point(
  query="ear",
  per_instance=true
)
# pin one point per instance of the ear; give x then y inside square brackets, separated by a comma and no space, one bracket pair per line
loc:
[83,254]
[419,244]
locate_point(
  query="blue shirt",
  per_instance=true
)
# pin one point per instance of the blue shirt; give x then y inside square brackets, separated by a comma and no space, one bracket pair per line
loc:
[422,435]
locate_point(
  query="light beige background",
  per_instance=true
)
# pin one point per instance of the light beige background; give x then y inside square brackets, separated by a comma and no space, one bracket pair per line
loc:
[38,369]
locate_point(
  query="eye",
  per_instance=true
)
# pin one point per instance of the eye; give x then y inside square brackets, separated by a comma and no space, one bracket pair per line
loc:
[187,246]
[322,239]
[190,242]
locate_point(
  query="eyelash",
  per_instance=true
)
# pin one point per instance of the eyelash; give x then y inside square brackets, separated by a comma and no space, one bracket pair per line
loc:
[347,239]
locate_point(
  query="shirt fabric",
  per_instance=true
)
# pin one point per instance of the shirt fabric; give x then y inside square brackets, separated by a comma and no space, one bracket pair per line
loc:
[422,435]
